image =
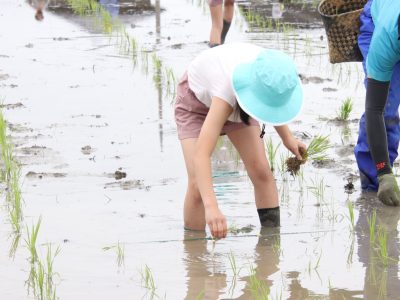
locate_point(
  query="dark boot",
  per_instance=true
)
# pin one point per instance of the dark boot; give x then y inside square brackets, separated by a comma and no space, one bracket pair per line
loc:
[225,28]
[269,217]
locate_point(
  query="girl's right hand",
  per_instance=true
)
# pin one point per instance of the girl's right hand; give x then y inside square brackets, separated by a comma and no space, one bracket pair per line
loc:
[216,222]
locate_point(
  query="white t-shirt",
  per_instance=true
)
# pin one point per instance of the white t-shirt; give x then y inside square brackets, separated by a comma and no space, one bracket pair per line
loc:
[210,73]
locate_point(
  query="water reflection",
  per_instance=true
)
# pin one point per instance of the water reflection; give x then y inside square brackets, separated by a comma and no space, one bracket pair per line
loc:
[112,6]
[381,280]
[158,75]
[299,14]
[203,279]
[266,260]
[277,10]
[200,280]
[297,292]
[158,21]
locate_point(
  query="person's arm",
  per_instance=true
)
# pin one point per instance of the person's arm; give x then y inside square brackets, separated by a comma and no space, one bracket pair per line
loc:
[210,131]
[291,143]
[381,60]
[376,98]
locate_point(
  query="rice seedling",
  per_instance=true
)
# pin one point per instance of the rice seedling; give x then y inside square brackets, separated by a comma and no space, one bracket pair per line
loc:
[284,193]
[15,218]
[31,239]
[157,75]
[93,8]
[40,280]
[41,276]
[382,282]
[171,83]
[148,280]
[378,277]
[318,261]
[308,48]
[107,22]
[31,282]
[16,237]
[145,61]
[331,211]
[235,271]
[258,288]
[318,189]
[300,180]
[316,150]
[50,285]
[6,147]
[282,169]
[127,41]
[382,249]
[345,109]
[120,254]
[109,25]
[271,152]
[233,229]
[232,261]
[350,254]
[120,251]
[276,246]
[14,199]
[345,133]
[351,217]
[371,225]
[312,266]
[200,296]
[134,46]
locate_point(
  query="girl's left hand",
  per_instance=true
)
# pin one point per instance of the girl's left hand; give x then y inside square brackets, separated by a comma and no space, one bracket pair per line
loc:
[295,146]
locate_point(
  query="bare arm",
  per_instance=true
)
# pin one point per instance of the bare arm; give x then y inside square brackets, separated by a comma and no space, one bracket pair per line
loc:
[210,131]
[291,143]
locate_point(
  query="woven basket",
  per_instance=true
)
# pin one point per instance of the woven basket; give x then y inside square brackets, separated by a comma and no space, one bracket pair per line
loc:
[341,19]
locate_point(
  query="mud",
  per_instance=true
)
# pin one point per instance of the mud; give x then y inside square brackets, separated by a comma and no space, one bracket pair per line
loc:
[42,175]
[127,184]
[12,105]
[293,165]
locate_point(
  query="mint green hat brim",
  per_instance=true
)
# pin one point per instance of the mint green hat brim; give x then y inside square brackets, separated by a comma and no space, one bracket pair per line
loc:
[246,95]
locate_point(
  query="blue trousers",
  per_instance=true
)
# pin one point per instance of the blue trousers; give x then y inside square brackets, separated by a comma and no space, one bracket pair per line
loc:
[366,166]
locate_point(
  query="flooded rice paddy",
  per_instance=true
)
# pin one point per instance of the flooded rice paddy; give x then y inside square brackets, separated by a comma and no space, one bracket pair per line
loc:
[93,177]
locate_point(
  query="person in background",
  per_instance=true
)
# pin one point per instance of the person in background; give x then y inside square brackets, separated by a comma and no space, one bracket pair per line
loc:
[112,6]
[221,18]
[379,131]
[39,6]
[226,90]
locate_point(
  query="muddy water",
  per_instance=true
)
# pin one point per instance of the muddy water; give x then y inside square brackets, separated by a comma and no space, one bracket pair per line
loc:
[101,164]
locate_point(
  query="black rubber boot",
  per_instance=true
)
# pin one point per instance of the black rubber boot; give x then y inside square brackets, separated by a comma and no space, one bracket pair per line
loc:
[225,28]
[212,45]
[269,217]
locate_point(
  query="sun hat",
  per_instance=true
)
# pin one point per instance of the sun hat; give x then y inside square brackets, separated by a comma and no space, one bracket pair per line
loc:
[269,88]
[341,20]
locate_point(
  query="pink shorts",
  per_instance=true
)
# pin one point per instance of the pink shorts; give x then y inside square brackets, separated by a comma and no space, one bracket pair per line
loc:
[190,113]
[215,2]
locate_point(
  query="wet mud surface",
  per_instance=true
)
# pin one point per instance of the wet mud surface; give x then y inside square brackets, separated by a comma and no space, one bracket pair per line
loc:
[93,130]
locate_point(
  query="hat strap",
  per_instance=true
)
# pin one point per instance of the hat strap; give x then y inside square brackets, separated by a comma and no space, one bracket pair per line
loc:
[262,131]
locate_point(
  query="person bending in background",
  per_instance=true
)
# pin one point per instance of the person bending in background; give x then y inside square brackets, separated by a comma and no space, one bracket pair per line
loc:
[221,18]
[379,131]
[226,90]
